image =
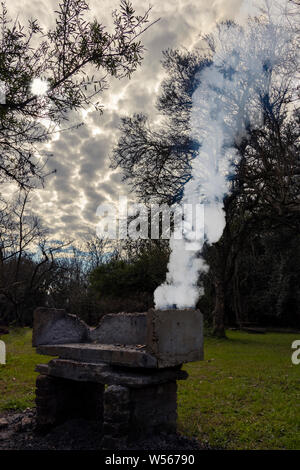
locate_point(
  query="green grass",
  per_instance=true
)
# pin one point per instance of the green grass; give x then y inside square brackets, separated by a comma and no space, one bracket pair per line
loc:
[244,395]
[17,376]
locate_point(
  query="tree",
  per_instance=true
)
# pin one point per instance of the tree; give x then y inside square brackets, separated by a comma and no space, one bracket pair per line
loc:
[25,276]
[97,250]
[156,163]
[137,271]
[56,62]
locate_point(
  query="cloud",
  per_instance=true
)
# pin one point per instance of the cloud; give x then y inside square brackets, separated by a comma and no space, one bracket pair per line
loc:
[83,178]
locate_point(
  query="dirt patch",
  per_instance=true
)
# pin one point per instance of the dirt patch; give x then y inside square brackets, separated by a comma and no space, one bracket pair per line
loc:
[17,432]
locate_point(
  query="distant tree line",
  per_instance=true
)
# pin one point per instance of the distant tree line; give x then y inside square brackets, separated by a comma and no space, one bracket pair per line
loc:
[90,279]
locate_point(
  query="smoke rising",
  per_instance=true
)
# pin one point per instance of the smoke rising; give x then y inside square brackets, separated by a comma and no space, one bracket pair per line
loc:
[250,63]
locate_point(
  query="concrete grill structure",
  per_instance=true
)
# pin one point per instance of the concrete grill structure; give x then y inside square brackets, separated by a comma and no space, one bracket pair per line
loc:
[123,373]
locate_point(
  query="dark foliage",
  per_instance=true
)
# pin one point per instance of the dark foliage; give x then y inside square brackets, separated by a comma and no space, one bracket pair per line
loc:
[252,276]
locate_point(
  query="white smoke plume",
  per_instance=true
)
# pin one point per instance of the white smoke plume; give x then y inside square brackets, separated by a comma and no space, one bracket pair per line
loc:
[249,62]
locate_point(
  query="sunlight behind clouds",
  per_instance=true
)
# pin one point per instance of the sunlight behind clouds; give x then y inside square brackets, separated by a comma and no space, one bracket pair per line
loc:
[39,87]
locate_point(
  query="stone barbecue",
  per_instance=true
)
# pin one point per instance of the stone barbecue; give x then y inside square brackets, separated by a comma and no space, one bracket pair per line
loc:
[122,373]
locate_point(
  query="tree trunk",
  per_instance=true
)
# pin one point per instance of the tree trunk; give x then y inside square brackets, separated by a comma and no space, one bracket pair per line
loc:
[219,310]
[236,295]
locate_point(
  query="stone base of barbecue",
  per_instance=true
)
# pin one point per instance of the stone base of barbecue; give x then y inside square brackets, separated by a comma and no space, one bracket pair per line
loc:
[124,412]
[134,413]
[58,400]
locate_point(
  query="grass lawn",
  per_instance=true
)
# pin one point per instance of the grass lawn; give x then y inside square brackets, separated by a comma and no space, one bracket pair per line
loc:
[17,376]
[244,395]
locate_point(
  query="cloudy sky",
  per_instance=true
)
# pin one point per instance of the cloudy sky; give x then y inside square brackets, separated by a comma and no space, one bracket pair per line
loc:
[83,179]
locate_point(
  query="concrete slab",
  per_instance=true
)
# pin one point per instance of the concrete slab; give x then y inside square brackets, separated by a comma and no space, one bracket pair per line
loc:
[55,326]
[121,328]
[103,373]
[128,356]
[175,336]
